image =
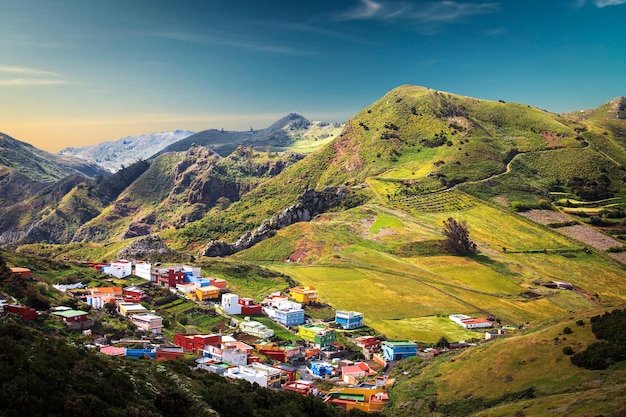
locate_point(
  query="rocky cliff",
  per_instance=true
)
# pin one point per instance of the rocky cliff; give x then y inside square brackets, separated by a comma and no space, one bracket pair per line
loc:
[311,203]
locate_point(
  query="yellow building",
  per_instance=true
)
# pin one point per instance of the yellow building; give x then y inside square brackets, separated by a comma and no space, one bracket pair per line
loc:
[304,295]
[369,400]
[207,293]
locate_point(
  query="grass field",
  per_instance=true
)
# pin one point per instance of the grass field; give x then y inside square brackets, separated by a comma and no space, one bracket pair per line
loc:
[530,359]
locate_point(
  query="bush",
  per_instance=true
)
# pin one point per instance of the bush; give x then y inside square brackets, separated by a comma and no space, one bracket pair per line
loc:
[568,350]
[567,330]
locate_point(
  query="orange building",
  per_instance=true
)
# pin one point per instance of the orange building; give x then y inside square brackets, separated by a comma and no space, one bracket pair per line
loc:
[304,295]
[23,272]
[207,293]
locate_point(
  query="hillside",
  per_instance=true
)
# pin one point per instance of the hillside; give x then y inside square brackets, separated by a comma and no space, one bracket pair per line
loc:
[41,166]
[126,151]
[543,197]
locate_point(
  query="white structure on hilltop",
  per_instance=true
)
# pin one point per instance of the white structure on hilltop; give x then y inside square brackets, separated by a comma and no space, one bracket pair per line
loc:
[469,322]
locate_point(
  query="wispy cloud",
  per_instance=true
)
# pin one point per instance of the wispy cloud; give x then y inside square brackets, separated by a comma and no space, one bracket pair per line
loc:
[604,3]
[29,77]
[225,40]
[598,3]
[20,82]
[26,71]
[437,12]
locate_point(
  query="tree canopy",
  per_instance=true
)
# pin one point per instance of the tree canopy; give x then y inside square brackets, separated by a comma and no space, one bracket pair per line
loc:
[457,239]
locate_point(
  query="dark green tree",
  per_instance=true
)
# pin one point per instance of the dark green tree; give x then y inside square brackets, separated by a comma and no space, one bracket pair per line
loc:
[457,239]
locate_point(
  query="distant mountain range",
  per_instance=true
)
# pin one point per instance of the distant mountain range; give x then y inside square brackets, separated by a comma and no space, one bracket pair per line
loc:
[283,134]
[39,165]
[125,151]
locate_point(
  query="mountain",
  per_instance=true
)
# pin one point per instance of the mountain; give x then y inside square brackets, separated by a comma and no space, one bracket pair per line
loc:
[125,151]
[542,195]
[41,166]
[293,132]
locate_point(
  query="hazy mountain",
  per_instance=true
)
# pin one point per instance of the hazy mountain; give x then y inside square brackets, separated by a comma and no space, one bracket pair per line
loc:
[123,152]
[285,134]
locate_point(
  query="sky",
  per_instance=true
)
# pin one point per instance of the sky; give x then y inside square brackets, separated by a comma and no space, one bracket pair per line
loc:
[80,72]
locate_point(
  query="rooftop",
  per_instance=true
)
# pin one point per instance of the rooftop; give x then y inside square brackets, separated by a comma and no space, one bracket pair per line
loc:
[69,313]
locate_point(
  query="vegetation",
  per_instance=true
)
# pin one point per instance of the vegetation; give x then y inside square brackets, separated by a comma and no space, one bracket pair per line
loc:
[600,355]
[457,239]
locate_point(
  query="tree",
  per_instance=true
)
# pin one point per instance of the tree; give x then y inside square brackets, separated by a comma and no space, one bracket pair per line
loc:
[442,343]
[457,239]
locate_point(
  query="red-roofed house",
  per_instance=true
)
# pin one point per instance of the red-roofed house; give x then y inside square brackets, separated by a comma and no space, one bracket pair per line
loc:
[113,351]
[23,272]
[26,313]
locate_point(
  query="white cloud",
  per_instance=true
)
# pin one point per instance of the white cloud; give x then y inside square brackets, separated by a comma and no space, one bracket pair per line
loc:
[31,82]
[436,12]
[225,40]
[604,3]
[26,71]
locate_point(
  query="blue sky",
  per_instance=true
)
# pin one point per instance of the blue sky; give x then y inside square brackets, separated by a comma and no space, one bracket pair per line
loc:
[78,72]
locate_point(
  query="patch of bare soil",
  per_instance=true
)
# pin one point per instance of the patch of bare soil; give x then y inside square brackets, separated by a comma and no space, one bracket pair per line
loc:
[589,236]
[545,216]
[620,256]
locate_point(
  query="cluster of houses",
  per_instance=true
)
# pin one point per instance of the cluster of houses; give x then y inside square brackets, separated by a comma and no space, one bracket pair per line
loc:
[322,355]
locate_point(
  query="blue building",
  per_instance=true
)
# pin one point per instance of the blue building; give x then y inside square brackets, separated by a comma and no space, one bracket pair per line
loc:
[289,317]
[140,353]
[348,320]
[394,351]
[321,368]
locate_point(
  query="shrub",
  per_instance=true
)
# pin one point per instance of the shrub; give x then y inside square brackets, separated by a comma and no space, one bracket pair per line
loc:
[568,350]
[567,330]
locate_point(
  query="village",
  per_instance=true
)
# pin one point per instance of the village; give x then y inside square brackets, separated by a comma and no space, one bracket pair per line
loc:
[339,360]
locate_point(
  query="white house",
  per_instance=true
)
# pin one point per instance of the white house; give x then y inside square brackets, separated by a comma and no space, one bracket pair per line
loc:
[469,322]
[230,304]
[118,269]
[142,269]
[255,328]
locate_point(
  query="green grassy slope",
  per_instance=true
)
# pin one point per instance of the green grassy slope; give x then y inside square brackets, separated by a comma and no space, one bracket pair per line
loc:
[525,373]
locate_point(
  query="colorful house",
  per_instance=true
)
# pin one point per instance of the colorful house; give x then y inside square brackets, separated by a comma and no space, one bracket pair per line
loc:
[469,322]
[128,309]
[395,351]
[320,336]
[70,316]
[196,343]
[351,373]
[168,277]
[321,369]
[289,316]
[366,398]
[207,293]
[264,375]
[97,297]
[232,304]
[26,313]
[150,323]
[169,353]
[348,320]
[304,295]
[23,272]
[133,294]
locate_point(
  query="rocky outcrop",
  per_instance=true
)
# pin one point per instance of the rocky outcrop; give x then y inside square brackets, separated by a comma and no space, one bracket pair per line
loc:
[311,204]
[144,247]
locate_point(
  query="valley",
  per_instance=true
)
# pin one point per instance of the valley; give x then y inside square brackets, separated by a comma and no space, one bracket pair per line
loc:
[543,196]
